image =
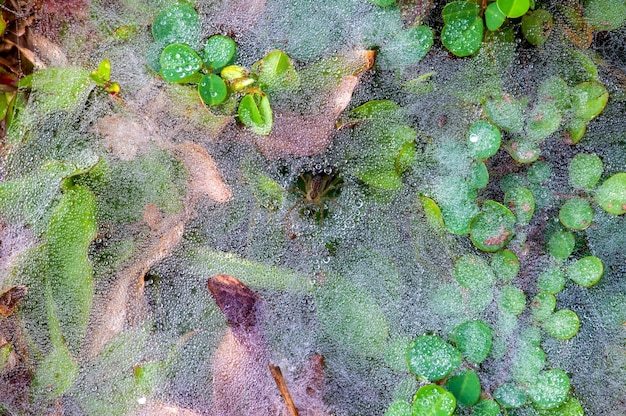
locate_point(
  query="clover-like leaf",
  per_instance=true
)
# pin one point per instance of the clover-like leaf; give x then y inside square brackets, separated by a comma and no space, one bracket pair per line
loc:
[463,31]
[551,280]
[589,99]
[586,271]
[494,18]
[483,140]
[433,400]
[514,8]
[510,395]
[543,120]
[585,171]
[465,386]
[179,63]
[521,201]
[505,264]
[479,176]
[219,52]
[576,214]
[276,73]
[212,89]
[511,300]
[493,227]
[432,358]
[537,26]
[529,360]
[486,408]
[524,150]
[472,272]
[542,306]
[179,23]
[474,340]
[611,195]
[562,324]
[561,244]
[549,389]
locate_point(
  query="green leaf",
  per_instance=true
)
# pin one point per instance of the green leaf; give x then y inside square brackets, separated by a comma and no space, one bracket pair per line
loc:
[432,212]
[483,140]
[542,306]
[537,26]
[585,171]
[399,407]
[561,244]
[60,88]
[463,37]
[576,214]
[486,408]
[514,8]
[179,63]
[407,48]
[383,3]
[539,172]
[352,317]
[54,375]
[505,264]
[431,358]
[219,52]
[556,91]
[510,396]
[212,89]
[529,360]
[433,400]
[472,272]
[457,201]
[456,10]
[255,112]
[521,201]
[551,280]
[576,129]
[375,109]
[494,18]
[71,229]
[179,23]
[465,386]
[586,271]
[474,340]
[511,300]
[605,14]
[505,112]
[524,150]
[571,407]
[588,100]
[276,73]
[479,176]
[562,324]
[549,389]
[611,195]
[493,227]
[543,120]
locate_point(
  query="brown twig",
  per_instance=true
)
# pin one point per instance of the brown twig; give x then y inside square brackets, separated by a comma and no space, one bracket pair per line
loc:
[284,391]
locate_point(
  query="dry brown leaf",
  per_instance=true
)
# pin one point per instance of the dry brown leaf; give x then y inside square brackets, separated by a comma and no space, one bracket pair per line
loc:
[11,298]
[124,137]
[156,408]
[204,177]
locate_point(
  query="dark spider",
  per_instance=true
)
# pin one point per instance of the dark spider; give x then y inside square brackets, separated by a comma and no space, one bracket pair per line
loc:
[316,189]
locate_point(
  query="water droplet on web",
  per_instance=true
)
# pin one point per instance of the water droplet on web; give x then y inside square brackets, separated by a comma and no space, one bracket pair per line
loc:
[473,138]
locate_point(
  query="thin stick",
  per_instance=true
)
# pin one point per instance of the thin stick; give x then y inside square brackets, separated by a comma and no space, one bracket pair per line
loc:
[284,391]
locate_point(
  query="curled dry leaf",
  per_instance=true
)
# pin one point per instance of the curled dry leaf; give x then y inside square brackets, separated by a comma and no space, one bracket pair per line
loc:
[11,298]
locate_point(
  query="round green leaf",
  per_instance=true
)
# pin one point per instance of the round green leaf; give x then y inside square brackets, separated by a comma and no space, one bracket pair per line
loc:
[561,244]
[576,214]
[522,203]
[529,360]
[585,171]
[483,140]
[433,400]
[479,176]
[212,89]
[514,8]
[472,272]
[551,280]
[494,17]
[562,324]
[407,48]
[611,195]
[542,306]
[465,386]
[505,264]
[179,23]
[493,227]
[576,129]
[589,99]
[219,52]
[179,63]
[486,408]
[457,201]
[555,90]
[505,112]
[549,389]
[510,396]
[463,30]
[510,181]
[543,120]
[537,26]
[524,151]
[473,339]
[511,300]
[571,407]
[383,3]
[539,172]
[586,271]
[432,358]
